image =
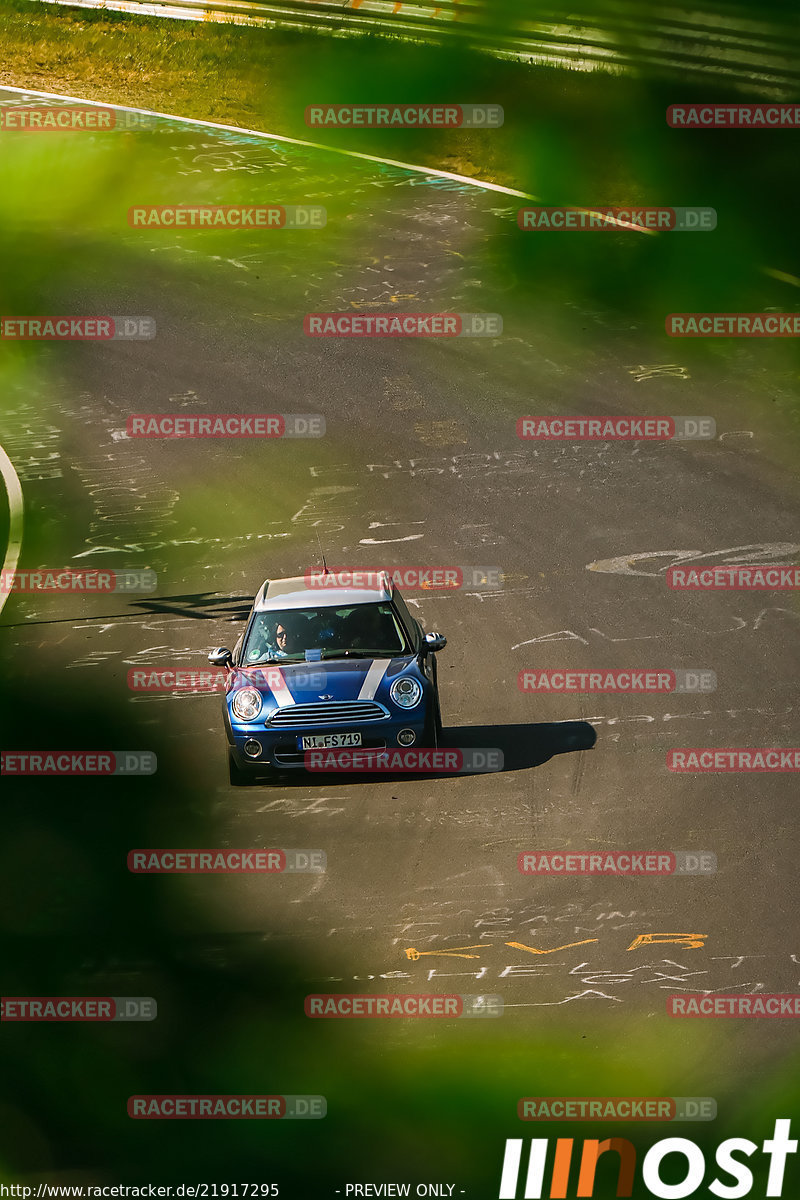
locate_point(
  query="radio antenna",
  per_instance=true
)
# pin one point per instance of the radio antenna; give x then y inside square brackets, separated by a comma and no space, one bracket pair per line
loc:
[325,570]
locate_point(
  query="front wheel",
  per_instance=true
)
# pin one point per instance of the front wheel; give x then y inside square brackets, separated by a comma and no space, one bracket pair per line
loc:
[438,720]
[432,734]
[238,777]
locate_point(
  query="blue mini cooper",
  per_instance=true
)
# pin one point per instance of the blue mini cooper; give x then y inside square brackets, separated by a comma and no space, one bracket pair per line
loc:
[327,661]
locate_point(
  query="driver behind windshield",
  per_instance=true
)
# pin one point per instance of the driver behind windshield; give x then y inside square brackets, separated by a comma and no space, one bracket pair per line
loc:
[367,628]
[283,641]
[267,641]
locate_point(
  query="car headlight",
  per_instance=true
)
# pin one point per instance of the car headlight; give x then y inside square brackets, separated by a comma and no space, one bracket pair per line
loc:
[247,704]
[406,692]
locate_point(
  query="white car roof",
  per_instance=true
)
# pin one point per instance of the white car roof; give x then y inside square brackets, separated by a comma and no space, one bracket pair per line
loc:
[324,590]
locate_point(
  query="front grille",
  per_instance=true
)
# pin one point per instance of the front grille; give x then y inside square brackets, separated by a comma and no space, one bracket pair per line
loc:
[300,716]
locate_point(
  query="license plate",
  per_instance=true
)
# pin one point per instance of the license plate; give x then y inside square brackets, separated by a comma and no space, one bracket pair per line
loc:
[329,741]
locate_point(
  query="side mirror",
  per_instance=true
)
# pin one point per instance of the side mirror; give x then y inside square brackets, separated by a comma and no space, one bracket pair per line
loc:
[221,657]
[435,641]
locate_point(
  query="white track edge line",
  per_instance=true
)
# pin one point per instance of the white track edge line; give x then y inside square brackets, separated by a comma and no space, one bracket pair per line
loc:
[16,510]
[277,137]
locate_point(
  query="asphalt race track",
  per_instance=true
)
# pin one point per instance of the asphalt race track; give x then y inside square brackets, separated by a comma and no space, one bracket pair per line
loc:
[421,464]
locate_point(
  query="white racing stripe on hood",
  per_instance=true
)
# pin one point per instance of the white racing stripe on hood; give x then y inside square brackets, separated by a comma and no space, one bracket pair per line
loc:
[372,680]
[279,688]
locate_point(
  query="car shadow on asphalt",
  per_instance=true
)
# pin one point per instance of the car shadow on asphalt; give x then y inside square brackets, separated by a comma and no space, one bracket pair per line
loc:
[524,745]
[514,747]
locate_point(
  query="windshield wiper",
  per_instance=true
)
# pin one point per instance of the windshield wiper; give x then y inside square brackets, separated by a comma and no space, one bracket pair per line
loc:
[325,654]
[360,653]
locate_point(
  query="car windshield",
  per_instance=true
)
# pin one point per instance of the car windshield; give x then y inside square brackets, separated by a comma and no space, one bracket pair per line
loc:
[357,631]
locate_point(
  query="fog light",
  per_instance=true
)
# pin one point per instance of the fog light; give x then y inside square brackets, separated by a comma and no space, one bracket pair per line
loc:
[252,748]
[406,737]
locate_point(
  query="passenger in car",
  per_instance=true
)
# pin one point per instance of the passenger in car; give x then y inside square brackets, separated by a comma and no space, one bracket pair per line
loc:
[376,631]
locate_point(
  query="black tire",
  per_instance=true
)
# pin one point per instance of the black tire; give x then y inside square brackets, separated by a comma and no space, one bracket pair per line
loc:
[433,725]
[238,777]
